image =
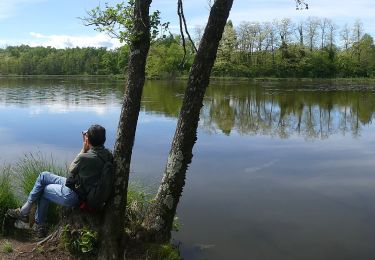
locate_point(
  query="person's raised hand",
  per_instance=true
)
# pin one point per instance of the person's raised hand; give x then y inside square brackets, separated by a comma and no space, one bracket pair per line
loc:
[86,144]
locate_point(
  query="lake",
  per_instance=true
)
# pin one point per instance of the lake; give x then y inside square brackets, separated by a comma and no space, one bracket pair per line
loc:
[281,170]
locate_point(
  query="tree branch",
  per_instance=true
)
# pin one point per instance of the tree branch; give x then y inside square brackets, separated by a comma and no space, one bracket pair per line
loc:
[182,20]
[179,12]
[300,4]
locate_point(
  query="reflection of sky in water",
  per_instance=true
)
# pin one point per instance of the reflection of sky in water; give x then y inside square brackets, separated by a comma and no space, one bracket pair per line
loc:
[265,198]
[249,194]
[57,128]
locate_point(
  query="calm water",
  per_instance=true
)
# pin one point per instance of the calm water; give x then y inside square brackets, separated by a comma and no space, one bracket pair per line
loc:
[280,170]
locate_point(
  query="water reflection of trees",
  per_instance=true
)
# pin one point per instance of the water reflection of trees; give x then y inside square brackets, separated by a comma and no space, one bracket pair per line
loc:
[67,92]
[285,112]
[273,109]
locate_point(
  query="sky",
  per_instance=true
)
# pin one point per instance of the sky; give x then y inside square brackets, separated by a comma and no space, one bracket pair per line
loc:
[56,23]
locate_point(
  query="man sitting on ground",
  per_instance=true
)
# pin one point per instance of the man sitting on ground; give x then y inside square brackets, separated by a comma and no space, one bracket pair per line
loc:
[84,172]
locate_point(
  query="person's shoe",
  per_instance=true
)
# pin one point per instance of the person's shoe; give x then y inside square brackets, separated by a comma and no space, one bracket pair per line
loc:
[16,214]
[40,230]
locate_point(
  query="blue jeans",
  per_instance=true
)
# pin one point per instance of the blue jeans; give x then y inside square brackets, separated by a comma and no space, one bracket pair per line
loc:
[50,187]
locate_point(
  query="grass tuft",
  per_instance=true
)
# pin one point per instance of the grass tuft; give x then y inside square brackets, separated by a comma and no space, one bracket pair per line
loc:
[16,181]
[153,251]
[138,200]
[8,199]
[27,170]
[163,252]
[31,165]
[7,247]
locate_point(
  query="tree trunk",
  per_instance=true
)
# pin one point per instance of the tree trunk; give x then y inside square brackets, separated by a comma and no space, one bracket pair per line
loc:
[159,220]
[112,231]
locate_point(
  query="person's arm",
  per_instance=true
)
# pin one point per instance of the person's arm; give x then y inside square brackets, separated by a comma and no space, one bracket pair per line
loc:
[73,168]
[73,171]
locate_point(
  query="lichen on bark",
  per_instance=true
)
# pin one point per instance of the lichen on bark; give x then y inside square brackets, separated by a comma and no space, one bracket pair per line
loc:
[174,163]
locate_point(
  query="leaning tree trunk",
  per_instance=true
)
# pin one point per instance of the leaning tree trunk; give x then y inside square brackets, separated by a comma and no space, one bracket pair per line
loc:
[112,231]
[158,222]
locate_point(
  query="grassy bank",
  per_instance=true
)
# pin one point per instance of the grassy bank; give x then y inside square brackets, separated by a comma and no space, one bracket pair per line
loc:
[17,180]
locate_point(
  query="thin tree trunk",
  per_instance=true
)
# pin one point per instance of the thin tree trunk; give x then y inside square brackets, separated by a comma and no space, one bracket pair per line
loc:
[159,220]
[112,234]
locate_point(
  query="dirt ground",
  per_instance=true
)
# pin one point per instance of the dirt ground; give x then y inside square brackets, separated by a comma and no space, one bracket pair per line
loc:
[23,244]
[30,250]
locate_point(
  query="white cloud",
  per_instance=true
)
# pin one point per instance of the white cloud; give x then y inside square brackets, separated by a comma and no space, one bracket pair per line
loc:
[3,42]
[69,41]
[37,35]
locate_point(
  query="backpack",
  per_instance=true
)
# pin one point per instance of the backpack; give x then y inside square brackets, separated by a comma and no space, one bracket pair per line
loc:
[98,194]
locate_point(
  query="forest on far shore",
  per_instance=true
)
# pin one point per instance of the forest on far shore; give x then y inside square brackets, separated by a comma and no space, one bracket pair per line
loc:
[314,48]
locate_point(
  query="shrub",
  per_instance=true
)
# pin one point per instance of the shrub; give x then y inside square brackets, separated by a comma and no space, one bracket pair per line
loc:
[79,241]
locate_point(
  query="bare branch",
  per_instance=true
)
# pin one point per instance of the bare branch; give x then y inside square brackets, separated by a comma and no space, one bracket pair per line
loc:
[186,30]
[179,12]
[182,20]
[300,5]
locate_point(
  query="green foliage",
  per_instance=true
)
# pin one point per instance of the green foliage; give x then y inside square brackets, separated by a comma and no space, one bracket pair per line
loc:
[40,249]
[346,64]
[164,60]
[118,21]
[228,42]
[256,50]
[70,61]
[320,65]
[162,252]
[152,251]
[241,53]
[79,241]
[7,247]
[8,199]
[176,224]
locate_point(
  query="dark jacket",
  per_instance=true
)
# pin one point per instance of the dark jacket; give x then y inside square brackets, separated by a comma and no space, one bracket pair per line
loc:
[86,168]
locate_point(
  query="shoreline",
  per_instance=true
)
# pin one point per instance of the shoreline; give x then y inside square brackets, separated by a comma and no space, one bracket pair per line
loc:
[184,78]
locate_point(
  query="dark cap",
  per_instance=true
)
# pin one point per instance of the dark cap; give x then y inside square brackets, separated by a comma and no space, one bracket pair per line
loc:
[96,135]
